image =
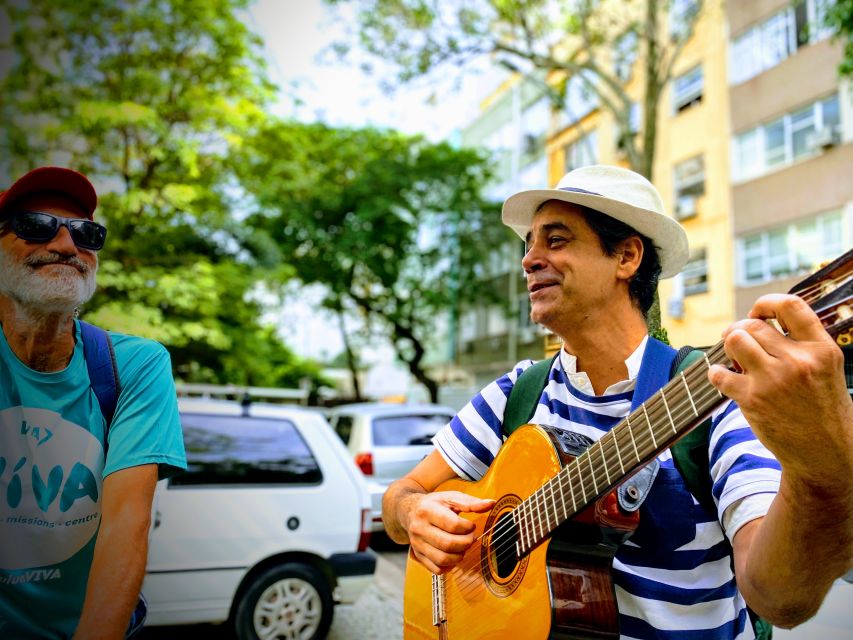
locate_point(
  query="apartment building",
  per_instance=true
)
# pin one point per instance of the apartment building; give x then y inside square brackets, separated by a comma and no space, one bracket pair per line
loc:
[752,141]
[791,151]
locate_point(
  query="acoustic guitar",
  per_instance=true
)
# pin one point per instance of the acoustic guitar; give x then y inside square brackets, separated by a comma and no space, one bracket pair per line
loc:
[540,566]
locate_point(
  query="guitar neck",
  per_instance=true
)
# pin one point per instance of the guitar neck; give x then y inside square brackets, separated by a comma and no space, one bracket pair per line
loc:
[665,417]
[655,425]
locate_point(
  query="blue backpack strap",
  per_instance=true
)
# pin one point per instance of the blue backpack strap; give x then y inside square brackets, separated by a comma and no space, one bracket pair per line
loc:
[653,374]
[654,371]
[101,364]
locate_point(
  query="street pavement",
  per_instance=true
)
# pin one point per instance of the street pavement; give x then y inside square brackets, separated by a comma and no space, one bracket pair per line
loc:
[376,615]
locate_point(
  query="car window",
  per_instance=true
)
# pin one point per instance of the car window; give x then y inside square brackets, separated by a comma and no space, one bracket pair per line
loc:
[343,427]
[396,431]
[241,450]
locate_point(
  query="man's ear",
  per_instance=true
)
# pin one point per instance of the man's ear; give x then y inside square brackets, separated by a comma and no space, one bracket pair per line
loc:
[630,255]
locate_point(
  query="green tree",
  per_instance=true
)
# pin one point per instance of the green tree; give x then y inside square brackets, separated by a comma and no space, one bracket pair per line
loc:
[149,97]
[564,39]
[379,218]
[839,16]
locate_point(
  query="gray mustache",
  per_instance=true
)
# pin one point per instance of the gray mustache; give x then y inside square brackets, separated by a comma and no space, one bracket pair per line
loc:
[52,258]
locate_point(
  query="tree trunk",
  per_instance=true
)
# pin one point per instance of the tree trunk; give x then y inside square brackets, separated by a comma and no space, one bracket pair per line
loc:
[414,363]
[352,365]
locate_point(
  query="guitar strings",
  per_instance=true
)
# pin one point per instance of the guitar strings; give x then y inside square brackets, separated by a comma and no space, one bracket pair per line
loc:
[541,497]
[502,531]
[468,585]
[501,540]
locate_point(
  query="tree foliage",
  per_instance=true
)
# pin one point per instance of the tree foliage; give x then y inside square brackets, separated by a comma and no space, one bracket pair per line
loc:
[149,97]
[394,226]
[562,38]
[840,18]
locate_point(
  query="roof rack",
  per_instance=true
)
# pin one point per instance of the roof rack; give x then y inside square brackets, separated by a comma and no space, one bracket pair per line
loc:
[244,393]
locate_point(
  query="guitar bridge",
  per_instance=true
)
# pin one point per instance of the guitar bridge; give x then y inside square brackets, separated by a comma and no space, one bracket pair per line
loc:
[439,614]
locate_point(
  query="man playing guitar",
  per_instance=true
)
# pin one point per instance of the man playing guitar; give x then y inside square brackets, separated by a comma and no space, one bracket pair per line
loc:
[780,450]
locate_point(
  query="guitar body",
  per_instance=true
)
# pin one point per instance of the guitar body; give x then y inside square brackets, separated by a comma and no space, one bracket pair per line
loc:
[561,589]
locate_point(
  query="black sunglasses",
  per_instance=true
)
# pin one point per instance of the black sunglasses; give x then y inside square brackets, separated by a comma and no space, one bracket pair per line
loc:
[38,226]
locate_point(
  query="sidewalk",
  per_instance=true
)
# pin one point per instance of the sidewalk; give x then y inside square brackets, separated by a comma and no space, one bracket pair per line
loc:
[378,613]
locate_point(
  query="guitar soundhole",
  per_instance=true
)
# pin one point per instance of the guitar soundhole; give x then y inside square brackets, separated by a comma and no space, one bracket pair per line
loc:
[503,547]
[501,568]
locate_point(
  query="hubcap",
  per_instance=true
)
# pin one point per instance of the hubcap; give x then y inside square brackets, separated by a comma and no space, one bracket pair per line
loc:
[290,609]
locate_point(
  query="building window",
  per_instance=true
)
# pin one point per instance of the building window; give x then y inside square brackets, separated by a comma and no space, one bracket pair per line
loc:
[695,273]
[687,89]
[773,40]
[582,152]
[625,55]
[580,99]
[689,185]
[681,15]
[795,135]
[534,125]
[792,249]
[534,175]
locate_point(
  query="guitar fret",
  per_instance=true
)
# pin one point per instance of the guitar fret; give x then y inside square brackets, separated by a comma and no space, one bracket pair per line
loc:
[618,455]
[580,480]
[666,406]
[525,507]
[708,362]
[562,496]
[553,508]
[518,531]
[689,395]
[571,489]
[604,462]
[538,517]
[651,430]
[631,433]
[588,454]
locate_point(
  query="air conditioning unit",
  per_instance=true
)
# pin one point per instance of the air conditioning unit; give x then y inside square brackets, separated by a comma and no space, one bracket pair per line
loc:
[685,206]
[823,138]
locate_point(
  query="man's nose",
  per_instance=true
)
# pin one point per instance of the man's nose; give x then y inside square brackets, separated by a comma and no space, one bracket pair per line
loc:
[63,243]
[533,259]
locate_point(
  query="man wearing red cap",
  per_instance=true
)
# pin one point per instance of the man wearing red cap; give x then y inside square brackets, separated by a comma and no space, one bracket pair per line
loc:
[77,477]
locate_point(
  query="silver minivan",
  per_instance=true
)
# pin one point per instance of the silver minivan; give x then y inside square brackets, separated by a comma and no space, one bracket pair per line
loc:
[387,440]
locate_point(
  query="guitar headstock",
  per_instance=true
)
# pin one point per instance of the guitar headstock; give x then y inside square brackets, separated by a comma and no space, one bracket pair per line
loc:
[829,291]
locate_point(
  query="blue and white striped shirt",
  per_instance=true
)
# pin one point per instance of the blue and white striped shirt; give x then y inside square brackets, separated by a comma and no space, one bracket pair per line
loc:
[673,577]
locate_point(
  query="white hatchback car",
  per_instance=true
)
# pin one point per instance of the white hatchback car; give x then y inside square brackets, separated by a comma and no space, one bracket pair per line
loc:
[267,529]
[387,440]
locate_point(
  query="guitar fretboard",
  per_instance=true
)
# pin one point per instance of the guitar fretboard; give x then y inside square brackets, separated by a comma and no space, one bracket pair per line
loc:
[656,424]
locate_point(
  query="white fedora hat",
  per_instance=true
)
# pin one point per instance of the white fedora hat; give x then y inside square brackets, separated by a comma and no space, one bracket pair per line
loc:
[619,193]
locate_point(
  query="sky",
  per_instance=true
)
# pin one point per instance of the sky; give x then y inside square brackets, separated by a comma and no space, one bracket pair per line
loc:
[297,36]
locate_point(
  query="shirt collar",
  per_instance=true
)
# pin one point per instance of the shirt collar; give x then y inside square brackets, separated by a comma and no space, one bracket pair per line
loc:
[580,380]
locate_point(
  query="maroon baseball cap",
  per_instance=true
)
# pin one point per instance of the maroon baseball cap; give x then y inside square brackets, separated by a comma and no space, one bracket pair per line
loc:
[57,179]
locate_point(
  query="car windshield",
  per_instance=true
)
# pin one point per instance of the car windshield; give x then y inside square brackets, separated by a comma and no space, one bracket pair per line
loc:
[413,429]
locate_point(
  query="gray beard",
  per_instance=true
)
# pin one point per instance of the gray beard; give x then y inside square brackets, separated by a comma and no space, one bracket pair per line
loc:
[60,291]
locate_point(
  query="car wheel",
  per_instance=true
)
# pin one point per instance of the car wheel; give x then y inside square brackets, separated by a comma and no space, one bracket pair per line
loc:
[288,602]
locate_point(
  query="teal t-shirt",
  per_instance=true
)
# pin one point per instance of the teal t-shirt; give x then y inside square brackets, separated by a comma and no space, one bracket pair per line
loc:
[52,467]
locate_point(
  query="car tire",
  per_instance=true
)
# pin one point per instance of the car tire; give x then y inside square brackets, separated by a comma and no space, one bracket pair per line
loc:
[291,601]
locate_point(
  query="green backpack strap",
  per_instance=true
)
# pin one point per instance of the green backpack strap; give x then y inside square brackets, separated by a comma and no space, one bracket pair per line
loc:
[690,455]
[525,394]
